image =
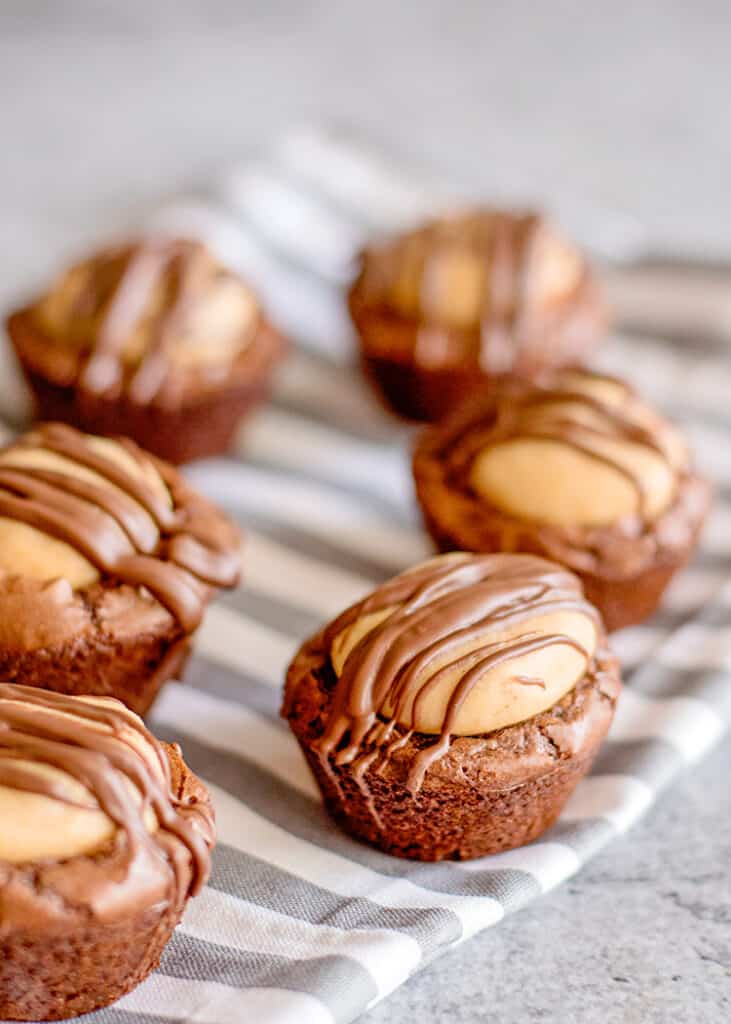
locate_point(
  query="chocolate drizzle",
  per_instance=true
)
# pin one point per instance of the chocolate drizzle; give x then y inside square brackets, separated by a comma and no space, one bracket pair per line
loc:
[126,530]
[505,312]
[92,743]
[153,284]
[550,413]
[434,611]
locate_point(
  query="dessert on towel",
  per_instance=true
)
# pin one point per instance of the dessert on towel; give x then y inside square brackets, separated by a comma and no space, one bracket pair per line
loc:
[451,713]
[155,340]
[105,835]
[107,562]
[443,309]
[574,467]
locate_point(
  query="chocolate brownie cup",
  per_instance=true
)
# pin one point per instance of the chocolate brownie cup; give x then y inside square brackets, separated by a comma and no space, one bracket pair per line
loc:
[107,562]
[443,309]
[575,468]
[452,712]
[105,834]
[154,340]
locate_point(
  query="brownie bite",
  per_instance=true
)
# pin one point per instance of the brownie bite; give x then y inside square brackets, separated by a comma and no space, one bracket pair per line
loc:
[155,340]
[107,562]
[105,835]
[574,467]
[443,309]
[451,713]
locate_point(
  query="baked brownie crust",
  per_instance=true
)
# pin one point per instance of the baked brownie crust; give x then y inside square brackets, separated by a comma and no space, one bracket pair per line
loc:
[203,423]
[624,573]
[485,794]
[57,959]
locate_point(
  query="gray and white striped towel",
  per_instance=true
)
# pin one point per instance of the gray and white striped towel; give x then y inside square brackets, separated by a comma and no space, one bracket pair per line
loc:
[299,924]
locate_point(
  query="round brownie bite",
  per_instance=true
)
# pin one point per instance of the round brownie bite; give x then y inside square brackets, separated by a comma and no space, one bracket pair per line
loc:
[574,467]
[155,340]
[105,835]
[451,713]
[443,309]
[107,562]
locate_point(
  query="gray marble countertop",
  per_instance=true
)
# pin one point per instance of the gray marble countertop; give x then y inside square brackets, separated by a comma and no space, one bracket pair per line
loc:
[106,107]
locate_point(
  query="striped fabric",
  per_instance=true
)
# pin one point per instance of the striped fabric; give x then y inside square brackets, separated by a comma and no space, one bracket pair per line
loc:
[299,924]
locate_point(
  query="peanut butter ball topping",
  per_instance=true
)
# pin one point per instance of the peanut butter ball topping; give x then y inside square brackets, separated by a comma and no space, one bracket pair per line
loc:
[462,645]
[137,317]
[485,271]
[76,509]
[82,775]
[581,451]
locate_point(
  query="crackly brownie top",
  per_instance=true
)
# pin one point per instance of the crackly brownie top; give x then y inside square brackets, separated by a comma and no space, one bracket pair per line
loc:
[78,511]
[88,802]
[142,318]
[461,645]
[491,274]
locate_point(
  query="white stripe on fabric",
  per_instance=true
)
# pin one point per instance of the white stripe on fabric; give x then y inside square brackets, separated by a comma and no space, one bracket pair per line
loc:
[245,830]
[692,588]
[291,221]
[278,571]
[388,956]
[690,725]
[304,308]
[231,639]
[320,510]
[549,863]
[208,1002]
[620,799]
[697,646]
[289,441]
[237,730]
[360,179]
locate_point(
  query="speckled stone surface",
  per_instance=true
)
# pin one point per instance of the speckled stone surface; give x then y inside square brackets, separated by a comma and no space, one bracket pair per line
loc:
[107,107]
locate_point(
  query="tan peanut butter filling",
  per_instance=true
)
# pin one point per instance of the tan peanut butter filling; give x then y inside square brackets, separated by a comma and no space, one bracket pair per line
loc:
[79,773]
[27,551]
[63,818]
[134,314]
[75,509]
[473,268]
[461,645]
[585,452]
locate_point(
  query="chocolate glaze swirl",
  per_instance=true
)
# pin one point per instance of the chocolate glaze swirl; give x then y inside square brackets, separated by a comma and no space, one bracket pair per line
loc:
[126,531]
[64,733]
[440,607]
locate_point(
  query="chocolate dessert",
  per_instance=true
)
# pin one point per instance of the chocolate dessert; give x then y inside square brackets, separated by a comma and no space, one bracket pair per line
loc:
[105,835]
[107,562]
[443,309]
[155,340]
[451,713]
[573,467]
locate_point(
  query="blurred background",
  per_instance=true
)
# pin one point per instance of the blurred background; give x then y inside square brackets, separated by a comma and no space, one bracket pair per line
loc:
[614,113]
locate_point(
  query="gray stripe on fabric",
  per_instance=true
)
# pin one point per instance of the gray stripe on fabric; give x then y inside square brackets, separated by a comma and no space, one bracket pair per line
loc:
[210,677]
[250,878]
[652,761]
[712,686]
[307,819]
[113,1015]
[585,837]
[270,611]
[340,982]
